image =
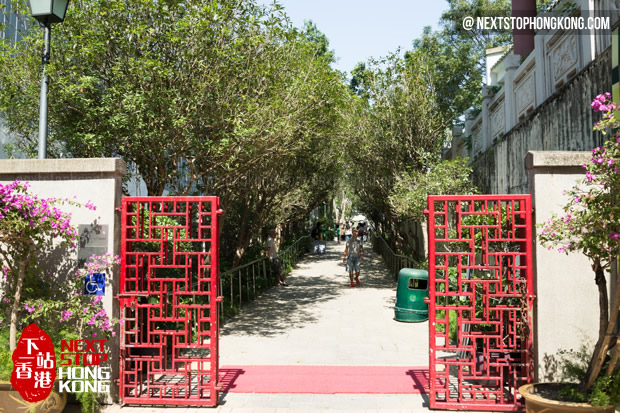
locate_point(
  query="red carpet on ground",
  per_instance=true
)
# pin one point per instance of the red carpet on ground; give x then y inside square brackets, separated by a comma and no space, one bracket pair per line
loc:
[324,379]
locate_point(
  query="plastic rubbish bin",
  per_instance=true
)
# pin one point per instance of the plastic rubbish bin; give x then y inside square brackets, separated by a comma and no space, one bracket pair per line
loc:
[411,291]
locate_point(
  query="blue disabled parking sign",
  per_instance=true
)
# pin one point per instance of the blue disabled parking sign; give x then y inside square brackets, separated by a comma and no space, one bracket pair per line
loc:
[94,284]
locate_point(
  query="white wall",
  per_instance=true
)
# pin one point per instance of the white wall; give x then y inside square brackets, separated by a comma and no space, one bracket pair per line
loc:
[566,310]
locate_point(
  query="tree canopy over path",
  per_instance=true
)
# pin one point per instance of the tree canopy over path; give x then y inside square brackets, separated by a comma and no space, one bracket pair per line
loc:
[226,98]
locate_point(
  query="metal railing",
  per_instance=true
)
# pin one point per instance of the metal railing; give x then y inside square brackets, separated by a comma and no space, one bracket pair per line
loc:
[244,283]
[395,262]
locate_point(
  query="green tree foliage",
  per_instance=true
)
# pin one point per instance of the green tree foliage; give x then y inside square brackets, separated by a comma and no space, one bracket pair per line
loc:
[396,126]
[199,97]
[319,42]
[457,56]
[456,70]
[409,196]
[452,21]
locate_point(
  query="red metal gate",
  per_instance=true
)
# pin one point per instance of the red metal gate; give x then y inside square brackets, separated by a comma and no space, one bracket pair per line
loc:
[480,301]
[168,294]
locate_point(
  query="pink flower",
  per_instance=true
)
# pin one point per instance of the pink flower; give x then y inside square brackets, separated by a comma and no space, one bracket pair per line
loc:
[65,315]
[90,206]
[29,308]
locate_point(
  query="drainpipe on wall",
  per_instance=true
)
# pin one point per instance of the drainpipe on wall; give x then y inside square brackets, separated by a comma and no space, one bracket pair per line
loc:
[523,40]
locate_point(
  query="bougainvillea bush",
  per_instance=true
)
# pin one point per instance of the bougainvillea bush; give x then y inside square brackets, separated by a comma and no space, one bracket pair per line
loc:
[590,225]
[75,314]
[52,296]
[28,224]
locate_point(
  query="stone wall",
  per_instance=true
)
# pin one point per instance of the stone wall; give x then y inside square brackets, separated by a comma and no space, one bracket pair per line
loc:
[538,102]
[563,122]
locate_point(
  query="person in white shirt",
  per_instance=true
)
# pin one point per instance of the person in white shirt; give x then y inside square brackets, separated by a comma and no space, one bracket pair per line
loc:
[353,255]
[272,253]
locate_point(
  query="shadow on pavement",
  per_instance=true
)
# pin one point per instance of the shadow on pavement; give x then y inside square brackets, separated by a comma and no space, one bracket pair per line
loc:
[329,269]
[277,310]
[316,279]
[420,379]
[228,376]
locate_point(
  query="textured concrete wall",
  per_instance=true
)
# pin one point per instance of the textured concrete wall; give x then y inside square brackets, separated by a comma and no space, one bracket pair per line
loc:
[566,310]
[95,180]
[563,122]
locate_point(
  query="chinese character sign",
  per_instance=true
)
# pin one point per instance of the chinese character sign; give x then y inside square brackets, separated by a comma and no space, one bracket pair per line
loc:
[34,364]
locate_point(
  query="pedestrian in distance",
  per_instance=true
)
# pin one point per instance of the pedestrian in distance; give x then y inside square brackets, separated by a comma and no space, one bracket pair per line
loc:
[316,237]
[337,231]
[274,257]
[360,231]
[353,256]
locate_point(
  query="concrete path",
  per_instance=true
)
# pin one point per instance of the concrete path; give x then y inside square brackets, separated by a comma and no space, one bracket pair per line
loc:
[320,320]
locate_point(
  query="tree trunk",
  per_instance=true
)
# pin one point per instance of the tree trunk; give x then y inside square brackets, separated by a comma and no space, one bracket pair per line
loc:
[335,209]
[604,335]
[613,320]
[16,303]
[613,363]
[221,218]
[343,208]
[244,236]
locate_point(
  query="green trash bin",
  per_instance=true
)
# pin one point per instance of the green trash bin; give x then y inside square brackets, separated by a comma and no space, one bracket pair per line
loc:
[411,291]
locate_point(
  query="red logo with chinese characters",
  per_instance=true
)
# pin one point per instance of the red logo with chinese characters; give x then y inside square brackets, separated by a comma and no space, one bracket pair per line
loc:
[34,365]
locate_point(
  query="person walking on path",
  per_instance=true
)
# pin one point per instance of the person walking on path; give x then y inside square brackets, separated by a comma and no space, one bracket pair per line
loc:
[353,255]
[274,257]
[316,236]
[347,232]
[360,231]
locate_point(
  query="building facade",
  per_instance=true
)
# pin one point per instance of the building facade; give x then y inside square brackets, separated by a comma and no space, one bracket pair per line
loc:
[538,102]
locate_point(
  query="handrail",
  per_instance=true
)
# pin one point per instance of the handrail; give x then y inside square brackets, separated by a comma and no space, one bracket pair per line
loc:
[395,262]
[256,276]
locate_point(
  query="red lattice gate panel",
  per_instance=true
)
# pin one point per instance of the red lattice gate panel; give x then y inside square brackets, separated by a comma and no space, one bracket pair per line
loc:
[168,294]
[480,301]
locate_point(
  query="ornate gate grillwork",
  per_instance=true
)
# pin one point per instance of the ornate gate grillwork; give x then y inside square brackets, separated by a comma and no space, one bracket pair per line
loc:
[480,305]
[168,294]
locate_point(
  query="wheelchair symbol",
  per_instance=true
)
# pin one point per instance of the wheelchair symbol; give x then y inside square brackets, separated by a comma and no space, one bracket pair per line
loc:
[94,284]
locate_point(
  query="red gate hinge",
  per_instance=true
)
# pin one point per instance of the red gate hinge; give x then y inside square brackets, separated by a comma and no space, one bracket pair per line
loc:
[426,211]
[219,211]
[219,299]
[127,301]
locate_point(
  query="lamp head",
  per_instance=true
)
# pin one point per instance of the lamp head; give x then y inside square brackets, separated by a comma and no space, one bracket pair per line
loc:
[48,11]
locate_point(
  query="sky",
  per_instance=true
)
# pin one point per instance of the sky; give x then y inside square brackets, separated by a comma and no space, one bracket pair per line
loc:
[359,29]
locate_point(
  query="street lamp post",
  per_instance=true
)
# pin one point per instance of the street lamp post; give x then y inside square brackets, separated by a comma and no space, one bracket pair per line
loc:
[46,12]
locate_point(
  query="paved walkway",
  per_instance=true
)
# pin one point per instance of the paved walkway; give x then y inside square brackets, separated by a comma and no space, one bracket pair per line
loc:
[320,320]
